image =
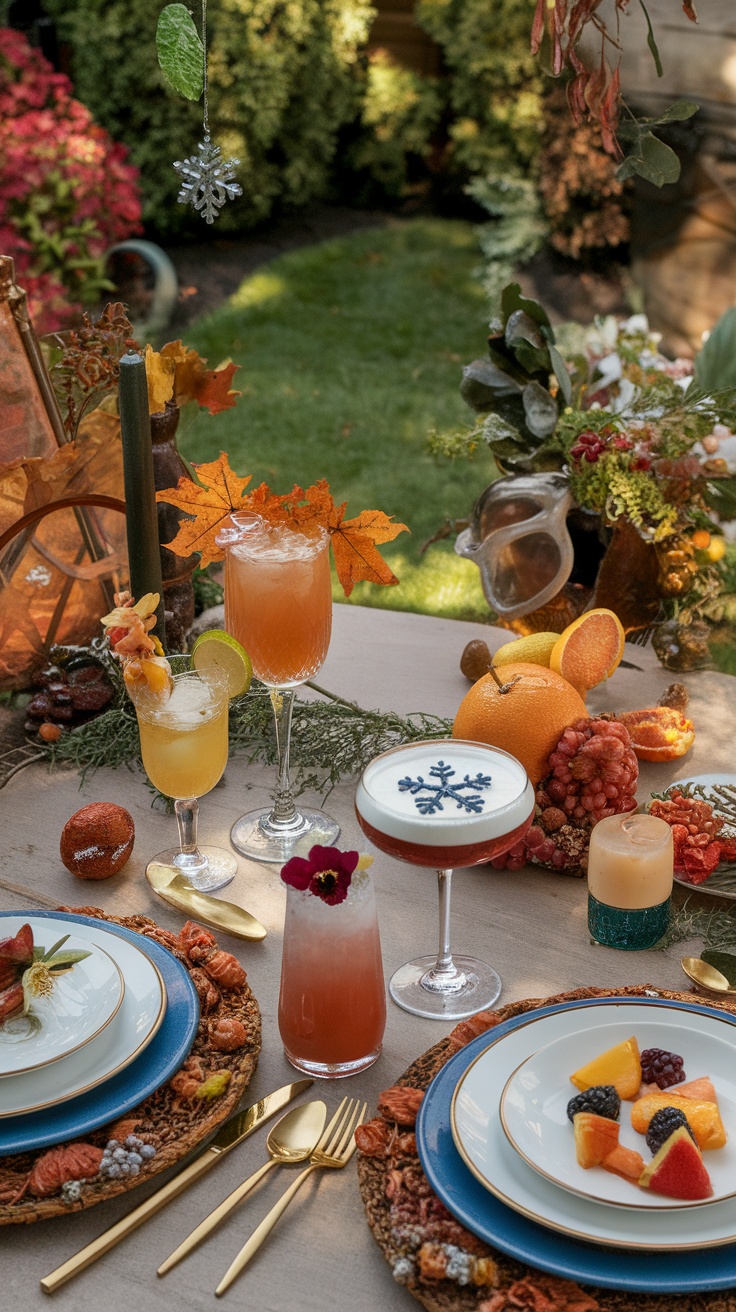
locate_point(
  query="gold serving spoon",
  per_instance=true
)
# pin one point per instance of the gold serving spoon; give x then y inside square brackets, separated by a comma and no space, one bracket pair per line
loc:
[700,972]
[175,889]
[292,1139]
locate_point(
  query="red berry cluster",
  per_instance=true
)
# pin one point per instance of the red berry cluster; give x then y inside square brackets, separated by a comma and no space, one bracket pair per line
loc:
[589,446]
[593,774]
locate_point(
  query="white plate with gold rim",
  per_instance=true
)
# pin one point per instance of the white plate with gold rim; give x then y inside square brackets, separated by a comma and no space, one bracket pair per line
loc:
[533,1110]
[81,1002]
[120,1042]
[479,1138]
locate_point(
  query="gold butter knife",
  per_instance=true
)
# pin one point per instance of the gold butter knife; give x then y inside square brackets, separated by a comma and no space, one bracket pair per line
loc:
[171,885]
[233,1132]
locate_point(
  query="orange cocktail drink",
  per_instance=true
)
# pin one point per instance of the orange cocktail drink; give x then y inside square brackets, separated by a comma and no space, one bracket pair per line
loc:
[278,602]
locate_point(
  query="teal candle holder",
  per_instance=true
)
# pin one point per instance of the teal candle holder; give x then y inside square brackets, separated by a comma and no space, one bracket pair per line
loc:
[631,930]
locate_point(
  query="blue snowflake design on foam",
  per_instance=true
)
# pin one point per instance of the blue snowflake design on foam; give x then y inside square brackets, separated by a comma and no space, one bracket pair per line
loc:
[436,793]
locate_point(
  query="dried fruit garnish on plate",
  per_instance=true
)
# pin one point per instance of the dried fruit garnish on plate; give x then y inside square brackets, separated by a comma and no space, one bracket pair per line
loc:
[658,733]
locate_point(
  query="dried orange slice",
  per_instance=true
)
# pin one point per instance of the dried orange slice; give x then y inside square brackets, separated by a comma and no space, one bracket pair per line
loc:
[589,650]
[659,733]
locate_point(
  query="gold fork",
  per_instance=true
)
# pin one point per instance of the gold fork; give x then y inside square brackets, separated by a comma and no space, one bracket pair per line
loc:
[334,1149]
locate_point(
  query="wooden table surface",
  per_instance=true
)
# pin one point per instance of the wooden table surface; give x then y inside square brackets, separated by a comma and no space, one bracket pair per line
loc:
[531,925]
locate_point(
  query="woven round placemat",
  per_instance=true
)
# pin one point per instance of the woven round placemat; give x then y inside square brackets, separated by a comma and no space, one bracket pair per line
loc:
[436,1258]
[172,1121]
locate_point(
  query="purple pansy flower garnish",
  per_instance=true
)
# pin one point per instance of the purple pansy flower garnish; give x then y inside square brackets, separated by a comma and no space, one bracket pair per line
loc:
[326,873]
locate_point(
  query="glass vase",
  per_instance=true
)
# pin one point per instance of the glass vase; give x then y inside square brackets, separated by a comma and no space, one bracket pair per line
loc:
[332,1005]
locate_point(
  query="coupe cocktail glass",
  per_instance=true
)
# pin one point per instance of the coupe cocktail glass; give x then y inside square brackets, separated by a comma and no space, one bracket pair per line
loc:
[278,604]
[445,803]
[184,745]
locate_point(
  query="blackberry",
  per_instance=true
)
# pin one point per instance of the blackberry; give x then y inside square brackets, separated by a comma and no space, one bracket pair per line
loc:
[661,1068]
[601,1099]
[663,1124]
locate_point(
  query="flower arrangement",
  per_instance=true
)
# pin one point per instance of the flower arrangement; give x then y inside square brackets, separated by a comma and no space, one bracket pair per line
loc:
[646,444]
[326,873]
[66,190]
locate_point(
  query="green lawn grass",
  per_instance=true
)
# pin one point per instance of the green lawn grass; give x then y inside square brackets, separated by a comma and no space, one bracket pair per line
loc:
[351,352]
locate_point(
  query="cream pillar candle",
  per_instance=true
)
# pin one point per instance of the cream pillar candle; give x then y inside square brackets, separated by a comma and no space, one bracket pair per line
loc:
[629,880]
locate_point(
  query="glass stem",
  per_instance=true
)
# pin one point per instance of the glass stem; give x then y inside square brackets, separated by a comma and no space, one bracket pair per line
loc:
[187,813]
[444,976]
[284,811]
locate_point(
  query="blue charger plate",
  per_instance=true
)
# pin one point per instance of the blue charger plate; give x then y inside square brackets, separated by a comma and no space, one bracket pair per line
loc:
[693,1271]
[156,1064]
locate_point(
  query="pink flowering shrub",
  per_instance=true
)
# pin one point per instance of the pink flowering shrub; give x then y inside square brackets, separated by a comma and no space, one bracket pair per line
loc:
[66,191]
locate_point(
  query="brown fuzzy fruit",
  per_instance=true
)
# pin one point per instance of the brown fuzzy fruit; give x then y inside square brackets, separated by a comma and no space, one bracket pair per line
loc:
[97,841]
[476,660]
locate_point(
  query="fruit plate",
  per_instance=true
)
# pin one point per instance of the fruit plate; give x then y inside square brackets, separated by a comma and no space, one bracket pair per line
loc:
[533,1107]
[83,1000]
[720,791]
[124,1090]
[120,1043]
[558,1245]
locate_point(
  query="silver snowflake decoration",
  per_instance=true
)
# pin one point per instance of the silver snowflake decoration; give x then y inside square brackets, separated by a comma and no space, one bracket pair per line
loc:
[207,180]
[444,790]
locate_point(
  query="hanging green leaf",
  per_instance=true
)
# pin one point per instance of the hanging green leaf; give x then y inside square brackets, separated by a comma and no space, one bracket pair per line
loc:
[651,41]
[180,51]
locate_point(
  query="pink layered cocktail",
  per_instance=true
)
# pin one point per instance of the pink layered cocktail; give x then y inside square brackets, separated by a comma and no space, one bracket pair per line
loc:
[445,803]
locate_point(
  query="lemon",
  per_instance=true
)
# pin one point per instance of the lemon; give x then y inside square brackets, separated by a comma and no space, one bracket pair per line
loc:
[535,649]
[717,549]
[217,650]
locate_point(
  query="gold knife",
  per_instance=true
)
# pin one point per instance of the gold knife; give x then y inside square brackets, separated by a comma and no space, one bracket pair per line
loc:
[233,1132]
[170,885]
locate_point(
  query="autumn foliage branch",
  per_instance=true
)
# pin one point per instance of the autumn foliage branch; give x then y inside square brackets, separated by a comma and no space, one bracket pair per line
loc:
[594,93]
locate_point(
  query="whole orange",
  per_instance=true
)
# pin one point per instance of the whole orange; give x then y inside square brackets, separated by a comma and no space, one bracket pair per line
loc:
[527,719]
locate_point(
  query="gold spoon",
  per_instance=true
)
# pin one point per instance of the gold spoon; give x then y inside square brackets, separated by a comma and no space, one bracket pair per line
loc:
[292,1139]
[706,976]
[175,889]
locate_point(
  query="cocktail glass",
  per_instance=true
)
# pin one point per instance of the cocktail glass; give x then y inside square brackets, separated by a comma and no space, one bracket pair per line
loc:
[278,604]
[332,1003]
[184,743]
[445,803]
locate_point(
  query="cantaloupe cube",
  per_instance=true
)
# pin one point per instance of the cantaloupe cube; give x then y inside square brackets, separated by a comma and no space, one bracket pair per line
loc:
[595,1138]
[701,1089]
[625,1162]
[703,1118]
[619,1066]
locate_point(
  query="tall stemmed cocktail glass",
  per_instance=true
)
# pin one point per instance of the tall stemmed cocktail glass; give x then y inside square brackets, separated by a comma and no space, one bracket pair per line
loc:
[278,604]
[445,803]
[184,747]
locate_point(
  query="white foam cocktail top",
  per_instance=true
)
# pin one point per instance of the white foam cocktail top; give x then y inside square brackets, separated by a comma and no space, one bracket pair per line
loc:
[445,792]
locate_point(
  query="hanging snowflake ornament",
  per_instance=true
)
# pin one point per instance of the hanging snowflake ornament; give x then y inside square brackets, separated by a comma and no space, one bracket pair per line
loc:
[207,180]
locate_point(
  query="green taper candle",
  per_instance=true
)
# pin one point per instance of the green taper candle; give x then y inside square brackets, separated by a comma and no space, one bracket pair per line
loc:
[141,515]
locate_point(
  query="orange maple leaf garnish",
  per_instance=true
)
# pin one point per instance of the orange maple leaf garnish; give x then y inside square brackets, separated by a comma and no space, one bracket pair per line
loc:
[210,502]
[354,541]
[355,552]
